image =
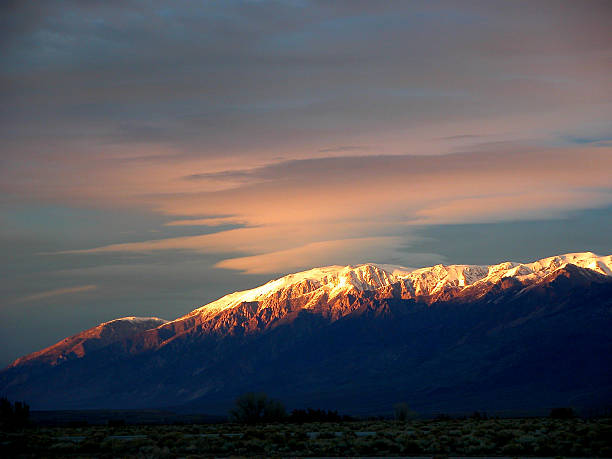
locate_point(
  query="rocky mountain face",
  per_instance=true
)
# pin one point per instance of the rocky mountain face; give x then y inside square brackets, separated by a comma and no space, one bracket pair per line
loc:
[518,337]
[99,337]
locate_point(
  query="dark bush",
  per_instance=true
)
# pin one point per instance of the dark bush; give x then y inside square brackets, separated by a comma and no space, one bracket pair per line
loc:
[562,413]
[116,422]
[75,424]
[311,415]
[252,408]
[402,412]
[13,415]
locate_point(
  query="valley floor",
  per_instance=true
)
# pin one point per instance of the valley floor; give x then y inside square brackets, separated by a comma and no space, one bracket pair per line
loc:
[531,437]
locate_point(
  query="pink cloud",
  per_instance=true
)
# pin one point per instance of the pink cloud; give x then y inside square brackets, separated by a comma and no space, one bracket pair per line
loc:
[323,253]
[303,209]
[211,221]
[57,292]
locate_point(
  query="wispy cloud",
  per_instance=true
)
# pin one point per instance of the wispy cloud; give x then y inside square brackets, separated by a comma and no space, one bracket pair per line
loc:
[343,148]
[343,252]
[460,137]
[222,176]
[306,208]
[603,140]
[273,135]
[209,221]
[57,292]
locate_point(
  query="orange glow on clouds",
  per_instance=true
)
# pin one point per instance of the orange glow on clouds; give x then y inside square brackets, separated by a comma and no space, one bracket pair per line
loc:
[334,210]
[57,292]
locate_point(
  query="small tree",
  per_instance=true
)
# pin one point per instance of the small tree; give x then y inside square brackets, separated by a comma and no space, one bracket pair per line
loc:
[274,411]
[252,408]
[21,413]
[13,415]
[6,409]
[402,412]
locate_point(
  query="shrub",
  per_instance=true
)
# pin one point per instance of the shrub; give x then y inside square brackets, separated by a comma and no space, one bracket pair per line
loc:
[253,408]
[116,422]
[402,412]
[562,413]
[13,414]
[315,415]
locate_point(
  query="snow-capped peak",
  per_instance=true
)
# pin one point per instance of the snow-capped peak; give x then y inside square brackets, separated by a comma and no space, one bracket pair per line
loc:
[336,280]
[154,321]
[332,280]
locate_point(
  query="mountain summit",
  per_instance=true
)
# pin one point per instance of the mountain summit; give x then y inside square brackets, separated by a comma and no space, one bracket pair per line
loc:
[511,336]
[333,281]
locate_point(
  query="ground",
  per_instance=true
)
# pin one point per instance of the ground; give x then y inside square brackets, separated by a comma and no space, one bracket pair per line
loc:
[543,437]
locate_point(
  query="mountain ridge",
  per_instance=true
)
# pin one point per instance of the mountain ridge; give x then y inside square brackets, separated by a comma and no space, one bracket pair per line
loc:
[428,284]
[422,278]
[371,325]
[96,337]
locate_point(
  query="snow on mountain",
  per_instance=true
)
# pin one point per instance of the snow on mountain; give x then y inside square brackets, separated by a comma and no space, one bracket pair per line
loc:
[310,289]
[336,280]
[369,324]
[154,321]
[333,280]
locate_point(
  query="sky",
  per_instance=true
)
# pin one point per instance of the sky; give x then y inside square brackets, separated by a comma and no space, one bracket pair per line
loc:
[158,155]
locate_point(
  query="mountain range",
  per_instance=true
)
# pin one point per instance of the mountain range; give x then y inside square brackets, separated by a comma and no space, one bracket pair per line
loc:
[511,337]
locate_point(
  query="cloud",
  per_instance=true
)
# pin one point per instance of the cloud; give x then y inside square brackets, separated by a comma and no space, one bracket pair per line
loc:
[323,253]
[538,205]
[343,148]
[290,77]
[223,176]
[178,115]
[101,109]
[209,221]
[461,137]
[298,210]
[57,292]
[603,140]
